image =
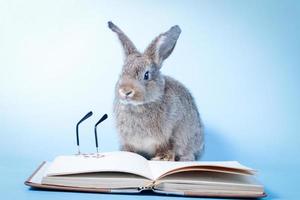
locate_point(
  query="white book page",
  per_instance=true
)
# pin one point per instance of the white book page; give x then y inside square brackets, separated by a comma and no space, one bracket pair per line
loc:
[159,168]
[211,178]
[38,176]
[120,161]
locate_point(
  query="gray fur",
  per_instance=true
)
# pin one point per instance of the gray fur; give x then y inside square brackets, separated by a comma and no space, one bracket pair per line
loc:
[157,118]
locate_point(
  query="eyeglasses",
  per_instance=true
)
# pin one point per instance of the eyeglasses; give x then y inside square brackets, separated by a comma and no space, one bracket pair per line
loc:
[89,114]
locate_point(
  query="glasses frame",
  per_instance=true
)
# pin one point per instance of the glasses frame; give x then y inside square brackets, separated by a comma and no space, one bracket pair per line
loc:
[88,115]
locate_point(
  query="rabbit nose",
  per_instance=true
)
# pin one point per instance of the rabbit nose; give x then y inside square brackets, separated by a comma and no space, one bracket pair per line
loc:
[126,93]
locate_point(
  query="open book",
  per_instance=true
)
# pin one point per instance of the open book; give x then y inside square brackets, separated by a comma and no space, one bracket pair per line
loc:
[125,172]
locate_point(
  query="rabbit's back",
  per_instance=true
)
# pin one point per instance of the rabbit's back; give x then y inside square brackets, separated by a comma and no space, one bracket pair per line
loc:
[187,131]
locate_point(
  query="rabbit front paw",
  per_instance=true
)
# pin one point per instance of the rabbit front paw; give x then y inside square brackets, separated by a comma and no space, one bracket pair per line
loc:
[168,156]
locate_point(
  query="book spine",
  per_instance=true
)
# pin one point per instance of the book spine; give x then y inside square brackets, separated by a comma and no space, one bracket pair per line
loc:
[149,186]
[146,188]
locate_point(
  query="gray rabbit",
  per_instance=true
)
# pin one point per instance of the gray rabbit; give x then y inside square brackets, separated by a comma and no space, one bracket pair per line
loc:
[156,116]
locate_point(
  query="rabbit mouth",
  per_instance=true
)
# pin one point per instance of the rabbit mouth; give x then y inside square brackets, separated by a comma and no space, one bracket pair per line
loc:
[130,102]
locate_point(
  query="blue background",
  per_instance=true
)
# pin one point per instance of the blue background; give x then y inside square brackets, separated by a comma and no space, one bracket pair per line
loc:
[240,59]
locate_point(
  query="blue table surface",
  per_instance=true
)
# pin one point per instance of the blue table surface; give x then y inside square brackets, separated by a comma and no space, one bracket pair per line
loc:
[240,60]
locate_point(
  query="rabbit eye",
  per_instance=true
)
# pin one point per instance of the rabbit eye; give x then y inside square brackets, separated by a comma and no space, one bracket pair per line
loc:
[146,75]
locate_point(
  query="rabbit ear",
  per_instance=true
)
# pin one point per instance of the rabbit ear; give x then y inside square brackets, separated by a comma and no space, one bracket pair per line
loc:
[128,46]
[162,46]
